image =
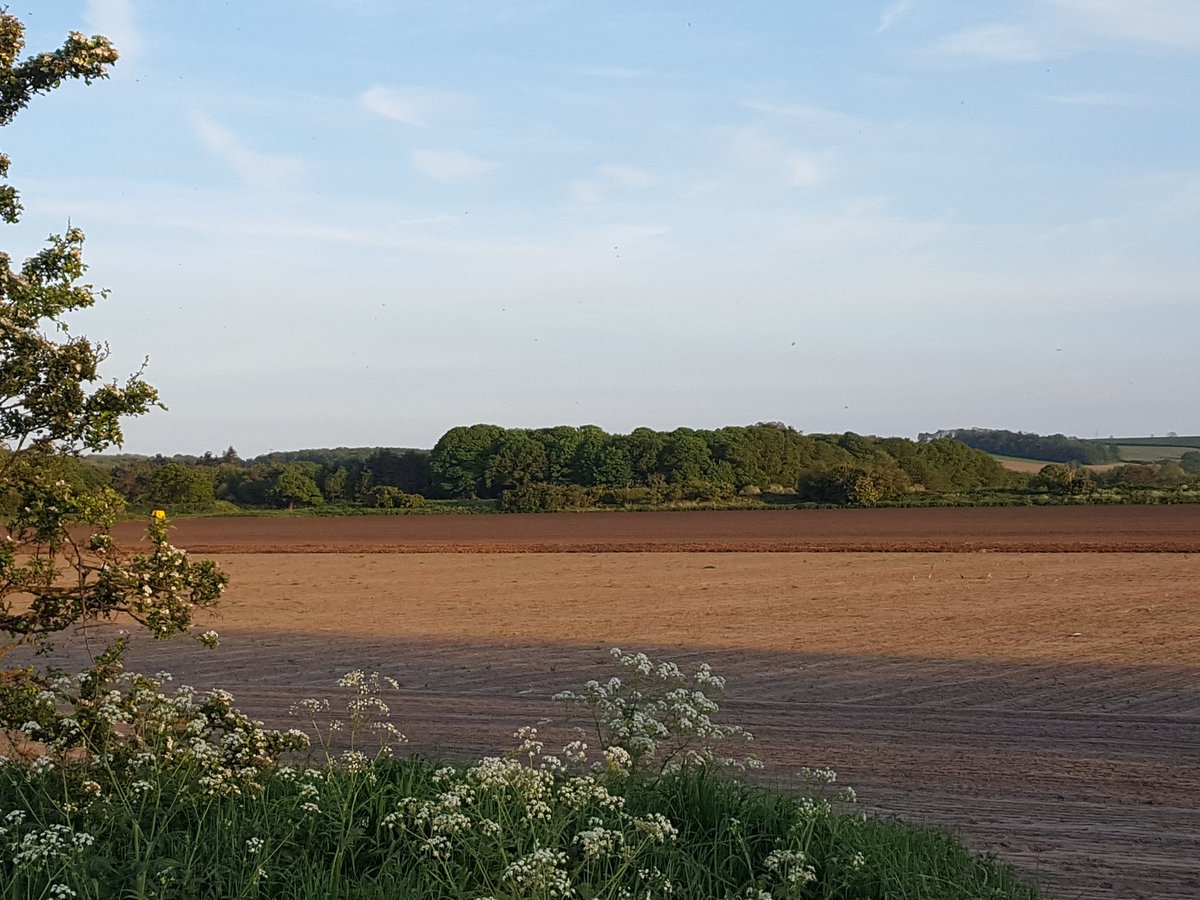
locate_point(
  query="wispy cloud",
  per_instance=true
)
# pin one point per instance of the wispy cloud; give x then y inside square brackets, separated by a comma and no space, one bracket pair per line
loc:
[630,177]
[449,165]
[803,111]
[994,43]
[256,169]
[1166,23]
[116,20]
[892,13]
[413,106]
[610,177]
[753,148]
[805,171]
[619,72]
[1097,98]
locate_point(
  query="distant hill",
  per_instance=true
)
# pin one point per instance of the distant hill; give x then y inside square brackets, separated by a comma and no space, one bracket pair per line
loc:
[1155,449]
[1057,448]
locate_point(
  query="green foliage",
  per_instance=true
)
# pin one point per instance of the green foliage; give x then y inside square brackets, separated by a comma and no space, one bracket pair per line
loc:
[407,470]
[176,487]
[560,444]
[1063,479]
[515,459]
[850,485]
[179,794]
[546,498]
[388,497]
[1025,445]
[1169,440]
[700,466]
[58,565]
[757,465]
[295,486]
[458,462]
[21,79]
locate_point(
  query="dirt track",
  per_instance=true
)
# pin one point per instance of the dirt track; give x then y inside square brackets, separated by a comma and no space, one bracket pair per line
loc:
[1045,705]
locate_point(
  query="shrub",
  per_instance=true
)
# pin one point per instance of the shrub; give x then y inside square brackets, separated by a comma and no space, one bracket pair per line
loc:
[388,497]
[544,497]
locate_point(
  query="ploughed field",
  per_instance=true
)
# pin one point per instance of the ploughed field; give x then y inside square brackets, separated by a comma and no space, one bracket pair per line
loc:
[1044,705]
[1157,529]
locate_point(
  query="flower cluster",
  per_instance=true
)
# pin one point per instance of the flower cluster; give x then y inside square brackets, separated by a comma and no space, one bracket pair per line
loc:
[122,737]
[40,847]
[366,720]
[49,581]
[572,830]
[657,716]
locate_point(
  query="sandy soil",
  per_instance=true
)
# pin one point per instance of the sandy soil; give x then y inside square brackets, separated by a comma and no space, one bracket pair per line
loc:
[1044,705]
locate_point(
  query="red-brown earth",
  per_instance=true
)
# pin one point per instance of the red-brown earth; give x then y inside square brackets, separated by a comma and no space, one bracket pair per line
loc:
[1045,706]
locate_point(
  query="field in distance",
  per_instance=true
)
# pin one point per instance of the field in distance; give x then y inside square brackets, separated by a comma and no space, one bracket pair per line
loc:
[1165,528]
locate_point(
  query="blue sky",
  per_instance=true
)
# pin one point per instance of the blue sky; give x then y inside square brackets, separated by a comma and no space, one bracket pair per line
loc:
[364,222]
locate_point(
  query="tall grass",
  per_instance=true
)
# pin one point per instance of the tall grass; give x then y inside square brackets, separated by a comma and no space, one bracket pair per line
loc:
[187,798]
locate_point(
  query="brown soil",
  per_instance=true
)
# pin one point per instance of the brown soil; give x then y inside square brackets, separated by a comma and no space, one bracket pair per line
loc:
[1046,706]
[1157,529]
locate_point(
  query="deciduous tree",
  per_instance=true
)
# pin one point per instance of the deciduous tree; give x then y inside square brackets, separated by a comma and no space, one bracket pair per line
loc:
[58,565]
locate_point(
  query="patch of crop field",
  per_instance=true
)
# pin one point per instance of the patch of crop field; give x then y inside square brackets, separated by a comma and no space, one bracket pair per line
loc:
[1150,452]
[1019,464]
[1033,466]
[1187,441]
[1046,706]
[1173,528]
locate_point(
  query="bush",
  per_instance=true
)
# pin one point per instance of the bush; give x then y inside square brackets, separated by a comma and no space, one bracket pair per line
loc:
[543,497]
[387,497]
[850,485]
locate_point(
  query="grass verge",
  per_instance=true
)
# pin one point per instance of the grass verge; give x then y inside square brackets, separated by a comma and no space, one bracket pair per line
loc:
[122,790]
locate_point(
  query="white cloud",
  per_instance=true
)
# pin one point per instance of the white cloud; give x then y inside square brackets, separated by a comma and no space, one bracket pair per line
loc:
[449,165]
[993,43]
[803,111]
[805,171]
[753,148]
[629,177]
[612,176]
[589,193]
[116,20]
[1167,23]
[893,12]
[260,170]
[408,106]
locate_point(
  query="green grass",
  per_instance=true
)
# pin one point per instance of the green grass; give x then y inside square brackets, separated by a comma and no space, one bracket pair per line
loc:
[1152,452]
[1186,441]
[137,792]
[173,841]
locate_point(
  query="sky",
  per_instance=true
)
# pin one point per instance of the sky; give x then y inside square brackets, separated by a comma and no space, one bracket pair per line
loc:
[361,223]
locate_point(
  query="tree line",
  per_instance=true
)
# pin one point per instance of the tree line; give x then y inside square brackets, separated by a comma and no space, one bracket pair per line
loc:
[564,467]
[558,466]
[488,461]
[1027,445]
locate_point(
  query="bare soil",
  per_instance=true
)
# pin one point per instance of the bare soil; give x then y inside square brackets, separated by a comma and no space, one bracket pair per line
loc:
[1045,706]
[1156,529]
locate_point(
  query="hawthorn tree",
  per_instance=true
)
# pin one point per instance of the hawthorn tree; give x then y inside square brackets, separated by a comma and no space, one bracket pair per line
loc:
[59,567]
